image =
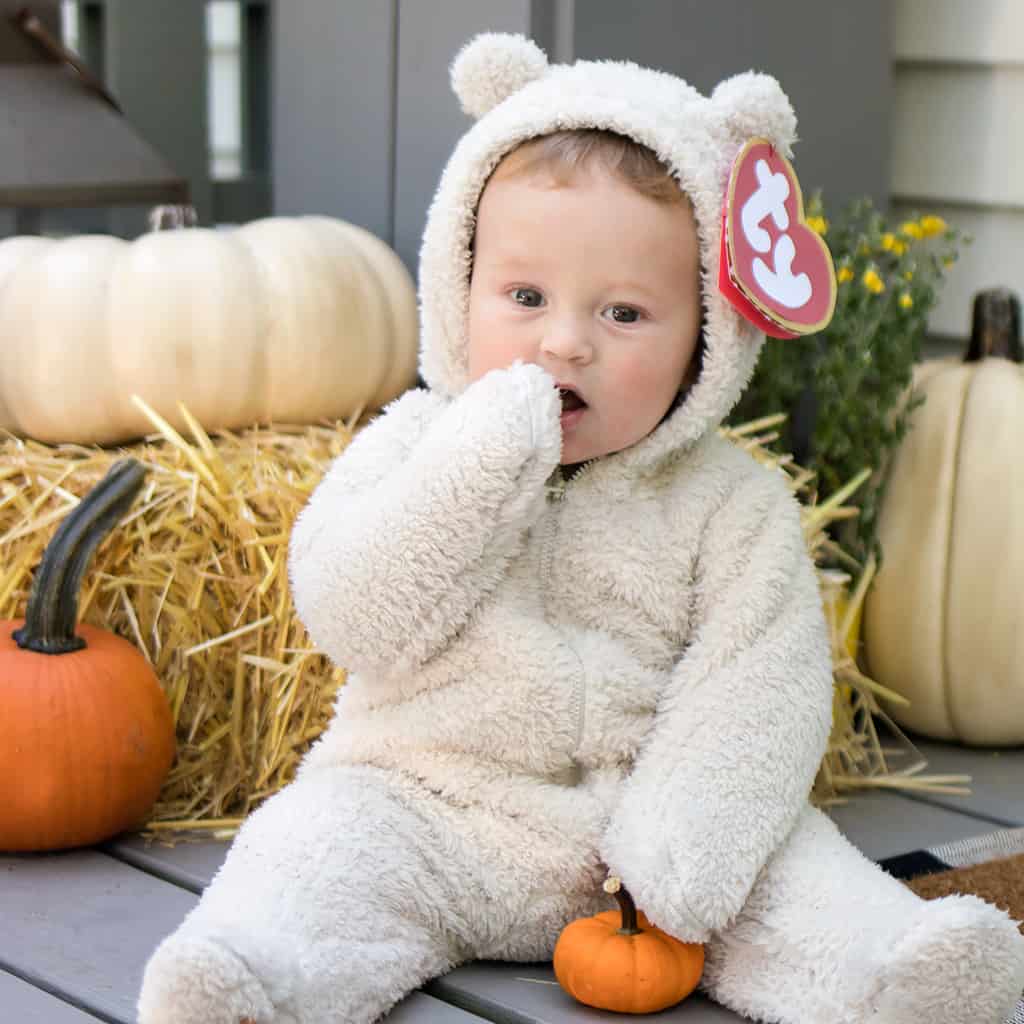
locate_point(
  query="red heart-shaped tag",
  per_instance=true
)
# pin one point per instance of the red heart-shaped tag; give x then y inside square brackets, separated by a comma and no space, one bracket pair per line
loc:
[774,269]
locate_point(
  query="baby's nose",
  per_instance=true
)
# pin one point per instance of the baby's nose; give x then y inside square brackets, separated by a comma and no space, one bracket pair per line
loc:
[568,340]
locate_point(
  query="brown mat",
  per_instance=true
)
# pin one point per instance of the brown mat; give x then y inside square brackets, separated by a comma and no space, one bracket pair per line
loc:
[996,881]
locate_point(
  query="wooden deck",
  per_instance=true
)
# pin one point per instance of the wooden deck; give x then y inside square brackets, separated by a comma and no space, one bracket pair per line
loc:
[77,928]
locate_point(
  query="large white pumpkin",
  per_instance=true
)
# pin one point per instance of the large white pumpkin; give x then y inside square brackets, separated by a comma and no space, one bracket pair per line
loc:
[284,319]
[944,620]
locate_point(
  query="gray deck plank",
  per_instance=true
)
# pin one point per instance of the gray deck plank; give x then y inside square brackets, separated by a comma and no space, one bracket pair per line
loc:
[26,1004]
[880,824]
[83,924]
[997,780]
[886,824]
[189,863]
[420,1008]
[529,994]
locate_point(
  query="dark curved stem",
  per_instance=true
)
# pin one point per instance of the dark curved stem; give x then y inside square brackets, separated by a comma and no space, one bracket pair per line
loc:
[53,603]
[995,327]
[627,909]
[173,217]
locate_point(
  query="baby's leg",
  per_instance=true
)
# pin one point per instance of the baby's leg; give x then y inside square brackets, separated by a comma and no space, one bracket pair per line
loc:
[828,936]
[330,906]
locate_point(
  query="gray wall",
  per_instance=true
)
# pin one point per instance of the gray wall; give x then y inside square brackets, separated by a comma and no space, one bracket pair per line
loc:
[832,59]
[429,119]
[332,116]
[155,63]
[364,118]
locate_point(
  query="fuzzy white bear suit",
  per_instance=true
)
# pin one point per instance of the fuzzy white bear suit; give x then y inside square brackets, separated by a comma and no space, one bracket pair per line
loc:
[549,679]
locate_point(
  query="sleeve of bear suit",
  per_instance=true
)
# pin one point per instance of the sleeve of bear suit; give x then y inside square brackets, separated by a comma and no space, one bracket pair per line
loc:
[419,517]
[741,729]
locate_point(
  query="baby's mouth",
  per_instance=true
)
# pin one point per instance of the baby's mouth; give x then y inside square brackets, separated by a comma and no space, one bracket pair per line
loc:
[571,400]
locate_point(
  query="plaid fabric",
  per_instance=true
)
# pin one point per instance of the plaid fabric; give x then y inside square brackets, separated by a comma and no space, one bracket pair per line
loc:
[961,854]
[964,852]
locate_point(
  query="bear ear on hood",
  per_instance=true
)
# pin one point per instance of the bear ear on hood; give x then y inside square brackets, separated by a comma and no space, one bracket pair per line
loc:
[753,104]
[491,67]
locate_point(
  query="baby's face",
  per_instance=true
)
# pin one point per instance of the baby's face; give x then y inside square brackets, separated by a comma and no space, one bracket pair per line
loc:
[597,284]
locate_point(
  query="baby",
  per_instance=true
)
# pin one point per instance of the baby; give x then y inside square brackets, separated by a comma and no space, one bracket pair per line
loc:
[583,630]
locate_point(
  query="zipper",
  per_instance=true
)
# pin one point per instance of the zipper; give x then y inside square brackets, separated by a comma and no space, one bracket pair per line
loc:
[556,496]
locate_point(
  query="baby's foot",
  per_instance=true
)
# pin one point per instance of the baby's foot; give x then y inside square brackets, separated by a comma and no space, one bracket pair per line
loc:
[961,962]
[198,980]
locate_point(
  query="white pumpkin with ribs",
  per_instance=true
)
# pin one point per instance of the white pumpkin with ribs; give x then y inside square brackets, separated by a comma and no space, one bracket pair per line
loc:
[284,319]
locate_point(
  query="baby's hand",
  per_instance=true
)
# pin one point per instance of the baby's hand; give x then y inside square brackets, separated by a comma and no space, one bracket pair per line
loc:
[526,395]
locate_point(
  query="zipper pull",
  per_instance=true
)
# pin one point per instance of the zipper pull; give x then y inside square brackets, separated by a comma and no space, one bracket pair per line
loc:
[555,487]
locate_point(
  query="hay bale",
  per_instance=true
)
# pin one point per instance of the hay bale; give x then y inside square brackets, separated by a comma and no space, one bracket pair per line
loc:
[196,577]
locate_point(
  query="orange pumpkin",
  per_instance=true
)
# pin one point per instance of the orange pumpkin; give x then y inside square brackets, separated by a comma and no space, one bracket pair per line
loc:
[86,733]
[619,961]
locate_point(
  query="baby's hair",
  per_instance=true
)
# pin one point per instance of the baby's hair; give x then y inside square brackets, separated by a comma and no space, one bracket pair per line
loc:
[563,154]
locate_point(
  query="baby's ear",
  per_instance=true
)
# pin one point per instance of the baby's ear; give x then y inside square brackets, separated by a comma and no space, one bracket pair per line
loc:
[491,67]
[753,104]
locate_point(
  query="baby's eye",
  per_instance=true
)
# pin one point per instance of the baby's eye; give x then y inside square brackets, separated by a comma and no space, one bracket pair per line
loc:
[623,314]
[529,297]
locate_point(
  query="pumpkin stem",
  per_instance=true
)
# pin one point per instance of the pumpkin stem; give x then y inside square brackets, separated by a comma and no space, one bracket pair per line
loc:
[627,908]
[53,603]
[995,327]
[172,217]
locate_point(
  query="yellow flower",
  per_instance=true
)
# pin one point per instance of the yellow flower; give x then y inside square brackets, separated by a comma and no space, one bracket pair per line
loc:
[890,243]
[932,225]
[873,282]
[818,224]
[845,274]
[948,262]
[906,302]
[911,229]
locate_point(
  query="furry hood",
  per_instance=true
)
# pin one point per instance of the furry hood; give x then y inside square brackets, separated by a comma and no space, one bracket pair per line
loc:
[506,83]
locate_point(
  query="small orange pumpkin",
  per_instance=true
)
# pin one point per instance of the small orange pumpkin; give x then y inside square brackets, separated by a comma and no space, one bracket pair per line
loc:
[619,961]
[86,732]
